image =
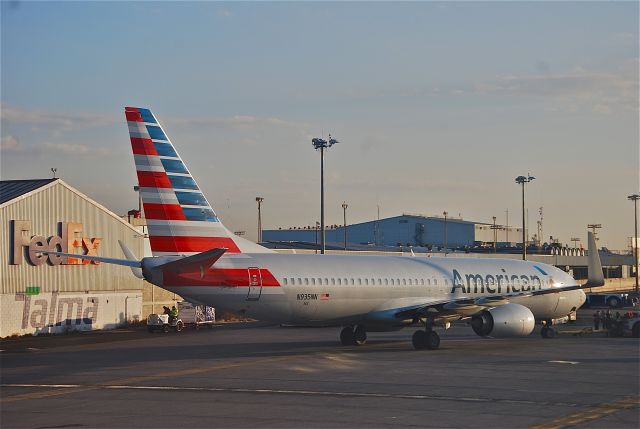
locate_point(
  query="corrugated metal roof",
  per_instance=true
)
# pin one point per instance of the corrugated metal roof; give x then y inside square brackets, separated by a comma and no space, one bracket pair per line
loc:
[10,189]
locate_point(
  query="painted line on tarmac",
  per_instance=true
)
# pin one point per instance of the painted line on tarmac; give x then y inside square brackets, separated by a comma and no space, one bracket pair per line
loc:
[83,387]
[592,413]
[570,362]
[73,388]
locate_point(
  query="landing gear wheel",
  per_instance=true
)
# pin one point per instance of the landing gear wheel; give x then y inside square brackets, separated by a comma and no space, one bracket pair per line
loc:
[347,337]
[433,340]
[179,326]
[548,332]
[360,335]
[419,340]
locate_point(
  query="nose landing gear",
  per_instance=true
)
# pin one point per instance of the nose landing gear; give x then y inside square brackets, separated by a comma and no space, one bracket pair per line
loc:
[548,331]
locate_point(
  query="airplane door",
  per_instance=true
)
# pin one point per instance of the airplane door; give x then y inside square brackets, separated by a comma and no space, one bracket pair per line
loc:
[255,284]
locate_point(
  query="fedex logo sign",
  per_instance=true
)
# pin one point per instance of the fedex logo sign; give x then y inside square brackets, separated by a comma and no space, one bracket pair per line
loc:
[68,240]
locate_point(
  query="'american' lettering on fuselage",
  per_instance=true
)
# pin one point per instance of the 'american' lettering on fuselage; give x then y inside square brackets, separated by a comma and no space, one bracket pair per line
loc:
[490,283]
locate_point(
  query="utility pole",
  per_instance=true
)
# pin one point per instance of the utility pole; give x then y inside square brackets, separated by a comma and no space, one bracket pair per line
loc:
[344,213]
[259,200]
[445,232]
[634,242]
[507,227]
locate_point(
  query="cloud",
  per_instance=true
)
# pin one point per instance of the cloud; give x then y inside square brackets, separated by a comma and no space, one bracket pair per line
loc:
[72,149]
[54,121]
[10,144]
[602,92]
[234,122]
[224,12]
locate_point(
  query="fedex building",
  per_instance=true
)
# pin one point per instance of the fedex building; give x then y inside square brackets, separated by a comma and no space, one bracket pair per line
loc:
[43,293]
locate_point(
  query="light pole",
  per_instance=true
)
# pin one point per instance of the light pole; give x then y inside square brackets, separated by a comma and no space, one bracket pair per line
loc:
[445,232]
[634,242]
[495,229]
[575,240]
[594,226]
[521,180]
[344,212]
[259,200]
[322,144]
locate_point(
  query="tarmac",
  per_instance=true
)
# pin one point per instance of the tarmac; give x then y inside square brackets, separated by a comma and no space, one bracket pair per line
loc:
[257,375]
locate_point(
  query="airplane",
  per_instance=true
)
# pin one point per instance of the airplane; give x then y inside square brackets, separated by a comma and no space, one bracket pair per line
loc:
[198,258]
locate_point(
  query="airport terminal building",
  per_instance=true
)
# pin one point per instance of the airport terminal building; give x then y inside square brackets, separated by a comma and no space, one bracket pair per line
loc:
[51,294]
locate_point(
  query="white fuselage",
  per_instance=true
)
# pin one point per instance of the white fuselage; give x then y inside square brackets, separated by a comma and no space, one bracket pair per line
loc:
[370,290]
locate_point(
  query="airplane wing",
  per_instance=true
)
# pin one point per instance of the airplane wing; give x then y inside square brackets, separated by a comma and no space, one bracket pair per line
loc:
[453,309]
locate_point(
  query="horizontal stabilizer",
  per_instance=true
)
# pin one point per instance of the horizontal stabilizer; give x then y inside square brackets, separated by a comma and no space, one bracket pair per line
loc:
[193,263]
[131,257]
[125,262]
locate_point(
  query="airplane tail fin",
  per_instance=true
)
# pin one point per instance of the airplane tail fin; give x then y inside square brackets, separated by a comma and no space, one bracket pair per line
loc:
[179,218]
[595,276]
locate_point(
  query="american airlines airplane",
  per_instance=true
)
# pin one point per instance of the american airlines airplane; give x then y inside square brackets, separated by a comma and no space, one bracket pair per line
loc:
[196,257]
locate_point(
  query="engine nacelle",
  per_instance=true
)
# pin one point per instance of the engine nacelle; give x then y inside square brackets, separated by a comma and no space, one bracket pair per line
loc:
[508,320]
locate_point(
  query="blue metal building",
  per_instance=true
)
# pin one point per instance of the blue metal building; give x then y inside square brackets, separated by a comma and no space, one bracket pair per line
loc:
[404,230]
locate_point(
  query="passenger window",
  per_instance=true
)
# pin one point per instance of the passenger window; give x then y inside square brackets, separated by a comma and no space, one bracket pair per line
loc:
[352,282]
[339,282]
[410,282]
[386,282]
[333,281]
[299,281]
[366,282]
[326,281]
[435,282]
[345,282]
[380,282]
[404,282]
[284,281]
[398,282]
[306,281]
[313,281]
[359,282]
[421,282]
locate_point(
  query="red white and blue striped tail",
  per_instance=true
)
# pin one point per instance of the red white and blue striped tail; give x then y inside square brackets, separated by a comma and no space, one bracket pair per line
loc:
[179,217]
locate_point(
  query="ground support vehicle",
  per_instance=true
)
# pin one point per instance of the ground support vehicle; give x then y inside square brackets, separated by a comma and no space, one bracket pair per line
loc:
[612,300]
[197,316]
[161,322]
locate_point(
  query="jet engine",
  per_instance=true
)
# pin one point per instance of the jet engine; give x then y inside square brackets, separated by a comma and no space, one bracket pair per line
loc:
[507,320]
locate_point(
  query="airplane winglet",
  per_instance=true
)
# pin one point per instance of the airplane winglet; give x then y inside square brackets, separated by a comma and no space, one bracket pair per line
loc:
[595,276]
[193,263]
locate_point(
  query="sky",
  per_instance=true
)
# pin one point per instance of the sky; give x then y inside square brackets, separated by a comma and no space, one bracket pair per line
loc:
[438,106]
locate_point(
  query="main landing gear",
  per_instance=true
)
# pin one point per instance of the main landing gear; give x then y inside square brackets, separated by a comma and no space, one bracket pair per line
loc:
[548,331]
[353,336]
[427,339]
